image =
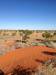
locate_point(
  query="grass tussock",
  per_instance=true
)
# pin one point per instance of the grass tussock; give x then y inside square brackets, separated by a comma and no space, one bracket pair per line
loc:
[48,68]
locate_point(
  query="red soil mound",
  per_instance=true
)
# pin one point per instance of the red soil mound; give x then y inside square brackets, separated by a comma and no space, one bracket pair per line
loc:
[30,57]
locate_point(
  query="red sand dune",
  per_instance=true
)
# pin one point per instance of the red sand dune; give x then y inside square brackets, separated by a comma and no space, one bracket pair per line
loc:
[29,57]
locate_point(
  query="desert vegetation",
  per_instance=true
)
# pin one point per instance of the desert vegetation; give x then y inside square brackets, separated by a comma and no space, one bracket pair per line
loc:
[31,47]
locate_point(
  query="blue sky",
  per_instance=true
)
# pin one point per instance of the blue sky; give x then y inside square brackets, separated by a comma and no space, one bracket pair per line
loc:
[28,14]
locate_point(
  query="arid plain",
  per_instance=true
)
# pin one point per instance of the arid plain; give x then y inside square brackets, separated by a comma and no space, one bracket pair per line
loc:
[26,52]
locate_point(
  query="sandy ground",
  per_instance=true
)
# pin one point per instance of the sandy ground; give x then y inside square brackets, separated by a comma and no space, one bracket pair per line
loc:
[30,57]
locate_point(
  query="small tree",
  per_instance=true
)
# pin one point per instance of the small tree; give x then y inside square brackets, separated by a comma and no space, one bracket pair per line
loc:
[46,35]
[55,33]
[25,34]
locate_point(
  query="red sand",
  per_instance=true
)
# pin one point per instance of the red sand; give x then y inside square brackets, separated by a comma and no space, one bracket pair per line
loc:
[25,57]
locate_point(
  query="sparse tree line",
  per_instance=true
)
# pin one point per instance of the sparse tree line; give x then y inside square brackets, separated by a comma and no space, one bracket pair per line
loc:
[25,33]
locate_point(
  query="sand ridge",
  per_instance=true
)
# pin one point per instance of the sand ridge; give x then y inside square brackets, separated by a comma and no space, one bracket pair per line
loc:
[29,57]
